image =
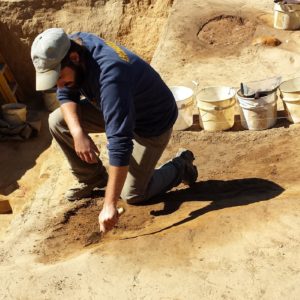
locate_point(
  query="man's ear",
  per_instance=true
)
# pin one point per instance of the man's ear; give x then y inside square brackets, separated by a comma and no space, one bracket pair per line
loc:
[74,57]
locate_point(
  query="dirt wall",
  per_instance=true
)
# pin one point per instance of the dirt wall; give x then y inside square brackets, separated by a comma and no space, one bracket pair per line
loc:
[134,23]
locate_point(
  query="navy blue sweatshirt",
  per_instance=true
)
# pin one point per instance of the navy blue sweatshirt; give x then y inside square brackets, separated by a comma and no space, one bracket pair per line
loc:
[128,91]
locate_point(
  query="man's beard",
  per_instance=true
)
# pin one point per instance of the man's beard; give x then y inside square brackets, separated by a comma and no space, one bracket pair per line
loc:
[80,74]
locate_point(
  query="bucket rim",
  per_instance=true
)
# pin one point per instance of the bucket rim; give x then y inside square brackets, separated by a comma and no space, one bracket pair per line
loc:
[290,99]
[287,8]
[284,89]
[180,86]
[13,106]
[205,99]
[189,95]
[239,97]
[185,103]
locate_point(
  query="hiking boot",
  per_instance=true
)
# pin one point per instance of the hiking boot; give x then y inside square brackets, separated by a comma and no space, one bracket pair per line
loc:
[84,190]
[190,172]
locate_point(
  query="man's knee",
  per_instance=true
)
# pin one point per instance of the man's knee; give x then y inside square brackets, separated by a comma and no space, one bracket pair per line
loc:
[56,119]
[131,198]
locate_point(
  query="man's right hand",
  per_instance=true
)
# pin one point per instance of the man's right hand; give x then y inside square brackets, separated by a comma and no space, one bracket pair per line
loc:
[86,148]
[108,216]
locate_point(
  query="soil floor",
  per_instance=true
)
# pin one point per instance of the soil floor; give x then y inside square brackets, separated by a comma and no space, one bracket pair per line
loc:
[235,234]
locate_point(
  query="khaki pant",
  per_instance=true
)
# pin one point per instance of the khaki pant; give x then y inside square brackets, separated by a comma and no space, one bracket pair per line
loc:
[143,180]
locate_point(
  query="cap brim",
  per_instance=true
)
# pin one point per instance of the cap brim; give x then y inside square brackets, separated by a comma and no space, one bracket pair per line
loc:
[47,80]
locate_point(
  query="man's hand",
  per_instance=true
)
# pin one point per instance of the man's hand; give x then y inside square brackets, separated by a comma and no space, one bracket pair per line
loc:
[108,217]
[86,148]
[84,145]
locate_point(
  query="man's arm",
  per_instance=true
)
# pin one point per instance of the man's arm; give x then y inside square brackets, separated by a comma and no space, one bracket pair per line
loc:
[84,145]
[86,150]
[117,105]
[109,215]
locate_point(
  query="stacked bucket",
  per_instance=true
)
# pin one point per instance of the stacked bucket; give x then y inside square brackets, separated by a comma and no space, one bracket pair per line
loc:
[215,107]
[286,15]
[185,99]
[290,95]
[257,103]
[14,113]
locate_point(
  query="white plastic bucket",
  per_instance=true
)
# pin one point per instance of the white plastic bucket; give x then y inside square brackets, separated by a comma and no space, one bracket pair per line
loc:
[290,95]
[14,113]
[286,16]
[184,97]
[258,114]
[216,108]
[50,101]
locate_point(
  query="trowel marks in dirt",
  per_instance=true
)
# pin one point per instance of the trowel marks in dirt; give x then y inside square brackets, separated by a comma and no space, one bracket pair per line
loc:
[78,228]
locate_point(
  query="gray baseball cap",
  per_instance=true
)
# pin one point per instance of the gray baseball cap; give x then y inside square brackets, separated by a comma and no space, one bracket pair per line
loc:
[47,51]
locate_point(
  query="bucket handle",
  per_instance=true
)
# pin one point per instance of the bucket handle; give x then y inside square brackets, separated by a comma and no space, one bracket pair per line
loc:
[196,84]
[290,8]
[218,108]
[183,106]
[286,6]
[195,90]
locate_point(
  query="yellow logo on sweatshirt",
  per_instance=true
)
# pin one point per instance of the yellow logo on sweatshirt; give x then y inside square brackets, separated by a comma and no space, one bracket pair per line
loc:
[118,50]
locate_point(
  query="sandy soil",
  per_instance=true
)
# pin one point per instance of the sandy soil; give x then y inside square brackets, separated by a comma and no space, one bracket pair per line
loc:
[233,235]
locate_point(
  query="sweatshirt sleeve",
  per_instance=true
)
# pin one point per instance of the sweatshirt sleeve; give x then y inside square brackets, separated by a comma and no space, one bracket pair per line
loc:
[65,95]
[118,110]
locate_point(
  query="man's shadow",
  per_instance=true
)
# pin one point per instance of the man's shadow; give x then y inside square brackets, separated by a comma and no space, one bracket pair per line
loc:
[223,194]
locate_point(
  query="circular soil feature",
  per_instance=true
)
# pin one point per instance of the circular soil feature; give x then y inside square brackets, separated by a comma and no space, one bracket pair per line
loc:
[226,31]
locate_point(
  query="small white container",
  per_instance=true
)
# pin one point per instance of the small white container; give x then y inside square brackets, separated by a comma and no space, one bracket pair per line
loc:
[184,97]
[286,16]
[50,100]
[290,95]
[14,113]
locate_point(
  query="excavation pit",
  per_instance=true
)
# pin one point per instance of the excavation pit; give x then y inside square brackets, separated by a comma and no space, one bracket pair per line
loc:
[226,32]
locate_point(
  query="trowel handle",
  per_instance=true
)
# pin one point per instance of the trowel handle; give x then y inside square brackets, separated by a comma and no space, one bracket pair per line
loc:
[120,210]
